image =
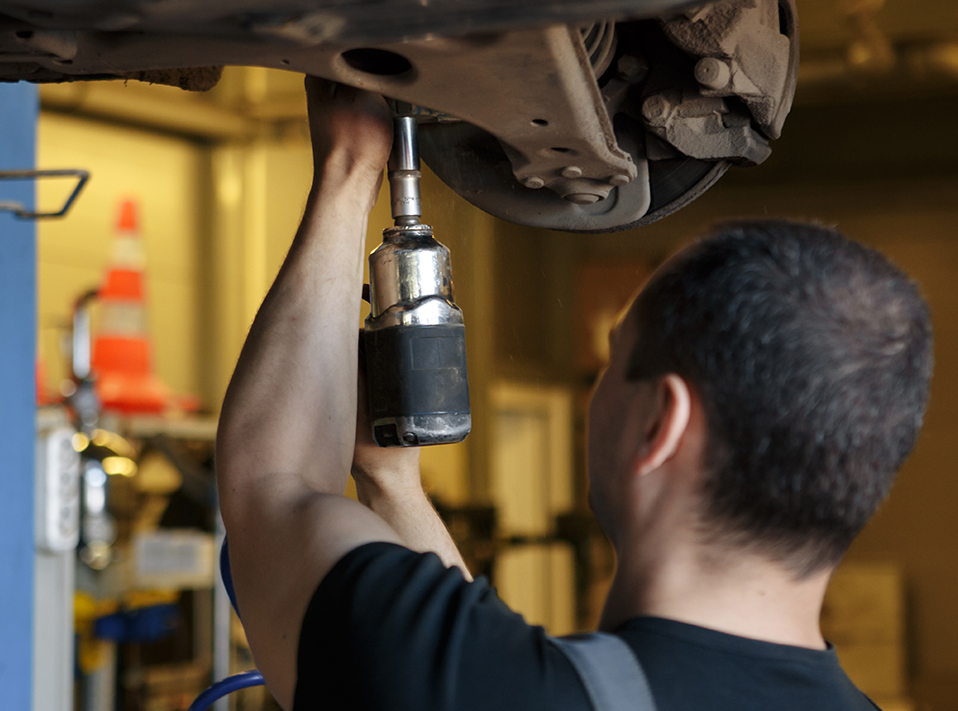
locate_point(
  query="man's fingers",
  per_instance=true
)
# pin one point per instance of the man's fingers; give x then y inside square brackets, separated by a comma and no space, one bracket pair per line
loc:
[351,131]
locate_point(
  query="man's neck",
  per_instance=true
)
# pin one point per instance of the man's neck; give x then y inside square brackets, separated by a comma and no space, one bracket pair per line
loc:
[740,594]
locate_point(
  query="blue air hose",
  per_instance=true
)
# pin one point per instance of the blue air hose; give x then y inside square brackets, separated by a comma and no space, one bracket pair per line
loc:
[243,680]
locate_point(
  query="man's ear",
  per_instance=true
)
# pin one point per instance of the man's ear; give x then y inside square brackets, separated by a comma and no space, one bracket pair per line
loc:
[666,424]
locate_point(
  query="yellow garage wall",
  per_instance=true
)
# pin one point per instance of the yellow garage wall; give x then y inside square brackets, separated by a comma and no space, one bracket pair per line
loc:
[166,176]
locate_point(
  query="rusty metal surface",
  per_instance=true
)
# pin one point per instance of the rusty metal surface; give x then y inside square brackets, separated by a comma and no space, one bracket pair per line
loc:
[704,127]
[680,129]
[58,40]
[746,49]
[472,163]
[313,22]
[557,132]
[588,127]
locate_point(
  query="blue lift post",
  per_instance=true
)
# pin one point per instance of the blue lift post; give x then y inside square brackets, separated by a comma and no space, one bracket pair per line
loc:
[18,120]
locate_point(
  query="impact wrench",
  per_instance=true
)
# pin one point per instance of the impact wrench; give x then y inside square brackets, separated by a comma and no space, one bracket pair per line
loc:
[415,339]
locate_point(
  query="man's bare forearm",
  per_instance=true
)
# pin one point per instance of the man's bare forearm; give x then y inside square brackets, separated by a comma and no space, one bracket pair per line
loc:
[287,429]
[286,424]
[287,417]
[287,433]
[397,496]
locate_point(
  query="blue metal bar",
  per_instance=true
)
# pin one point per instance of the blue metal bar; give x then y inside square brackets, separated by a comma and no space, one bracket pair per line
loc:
[18,118]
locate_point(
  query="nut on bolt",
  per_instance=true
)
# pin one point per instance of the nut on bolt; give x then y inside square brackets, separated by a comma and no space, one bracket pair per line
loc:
[656,109]
[713,73]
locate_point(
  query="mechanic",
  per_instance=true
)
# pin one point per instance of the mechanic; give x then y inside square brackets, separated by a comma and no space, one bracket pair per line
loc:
[763,391]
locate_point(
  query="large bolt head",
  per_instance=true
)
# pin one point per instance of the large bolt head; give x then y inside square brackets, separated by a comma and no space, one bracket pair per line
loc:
[572,172]
[583,198]
[533,182]
[620,180]
[713,73]
[656,109]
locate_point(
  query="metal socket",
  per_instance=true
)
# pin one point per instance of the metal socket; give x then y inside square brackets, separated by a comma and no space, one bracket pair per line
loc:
[404,173]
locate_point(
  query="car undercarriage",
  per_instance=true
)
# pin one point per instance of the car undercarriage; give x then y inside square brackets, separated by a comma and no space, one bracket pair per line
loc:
[583,117]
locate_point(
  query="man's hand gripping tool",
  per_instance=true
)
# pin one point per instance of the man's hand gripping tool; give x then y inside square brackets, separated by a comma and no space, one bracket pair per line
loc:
[414,338]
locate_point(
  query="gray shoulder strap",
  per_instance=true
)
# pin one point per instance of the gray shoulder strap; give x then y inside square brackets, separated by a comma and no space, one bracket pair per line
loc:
[609,670]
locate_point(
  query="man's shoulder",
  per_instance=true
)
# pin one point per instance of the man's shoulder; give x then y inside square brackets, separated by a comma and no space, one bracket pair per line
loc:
[689,666]
[391,628]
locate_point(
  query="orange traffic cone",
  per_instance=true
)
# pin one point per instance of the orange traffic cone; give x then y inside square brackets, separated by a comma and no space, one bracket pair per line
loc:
[43,397]
[122,352]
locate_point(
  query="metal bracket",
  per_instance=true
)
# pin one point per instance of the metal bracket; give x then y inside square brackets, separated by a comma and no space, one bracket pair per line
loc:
[744,49]
[21,211]
[535,90]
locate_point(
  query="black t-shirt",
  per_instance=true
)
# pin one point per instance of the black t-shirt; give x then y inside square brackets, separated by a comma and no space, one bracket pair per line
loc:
[393,630]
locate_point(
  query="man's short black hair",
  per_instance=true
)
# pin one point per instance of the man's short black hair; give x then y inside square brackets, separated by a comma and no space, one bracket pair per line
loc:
[812,356]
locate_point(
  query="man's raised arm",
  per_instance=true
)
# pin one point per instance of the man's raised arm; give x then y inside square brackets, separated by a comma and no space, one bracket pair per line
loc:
[287,429]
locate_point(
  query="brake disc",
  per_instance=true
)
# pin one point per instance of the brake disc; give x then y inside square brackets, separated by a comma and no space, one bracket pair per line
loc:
[687,98]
